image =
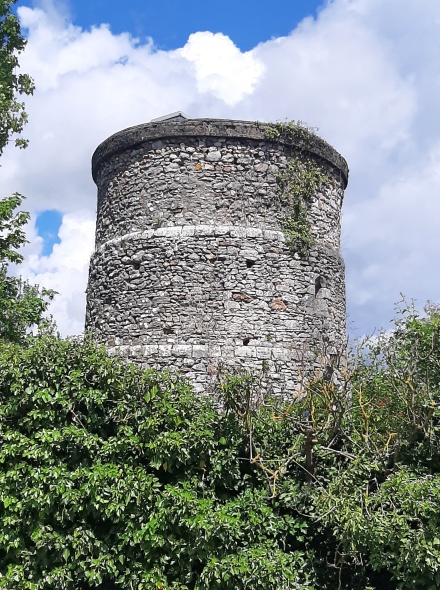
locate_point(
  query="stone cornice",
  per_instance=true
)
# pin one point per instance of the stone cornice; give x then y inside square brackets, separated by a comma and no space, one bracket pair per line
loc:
[145,133]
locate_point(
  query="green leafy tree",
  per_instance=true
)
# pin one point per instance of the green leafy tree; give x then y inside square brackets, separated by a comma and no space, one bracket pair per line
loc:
[12,83]
[22,305]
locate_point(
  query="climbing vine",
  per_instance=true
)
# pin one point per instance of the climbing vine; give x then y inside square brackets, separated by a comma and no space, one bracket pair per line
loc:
[297,184]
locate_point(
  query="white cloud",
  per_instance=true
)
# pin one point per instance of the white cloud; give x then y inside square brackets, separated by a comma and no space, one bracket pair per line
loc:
[401,240]
[65,270]
[220,67]
[365,72]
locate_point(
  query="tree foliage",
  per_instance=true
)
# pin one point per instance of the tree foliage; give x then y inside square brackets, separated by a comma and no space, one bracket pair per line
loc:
[22,305]
[13,116]
[112,477]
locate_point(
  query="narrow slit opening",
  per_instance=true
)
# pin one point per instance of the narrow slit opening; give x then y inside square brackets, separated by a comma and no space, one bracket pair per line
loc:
[319,284]
[328,373]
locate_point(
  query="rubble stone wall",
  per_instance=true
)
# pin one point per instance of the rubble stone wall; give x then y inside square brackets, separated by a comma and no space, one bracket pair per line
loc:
[191,268]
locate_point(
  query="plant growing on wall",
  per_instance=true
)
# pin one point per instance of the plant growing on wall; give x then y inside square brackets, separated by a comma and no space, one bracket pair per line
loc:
[297,184]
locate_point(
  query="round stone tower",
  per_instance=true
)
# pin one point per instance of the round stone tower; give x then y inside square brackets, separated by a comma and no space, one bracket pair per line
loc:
[217,244]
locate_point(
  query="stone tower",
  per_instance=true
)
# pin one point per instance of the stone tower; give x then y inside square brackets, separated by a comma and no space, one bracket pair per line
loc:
[218,242]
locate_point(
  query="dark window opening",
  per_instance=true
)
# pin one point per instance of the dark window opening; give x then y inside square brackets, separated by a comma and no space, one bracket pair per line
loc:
[246,341]
[250,263]
[328,373]
[136,264]
[168,330]
[319,284]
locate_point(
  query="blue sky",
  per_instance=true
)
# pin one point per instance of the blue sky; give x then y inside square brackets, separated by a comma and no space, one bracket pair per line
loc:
[366,73]
[170,22]
[47,224]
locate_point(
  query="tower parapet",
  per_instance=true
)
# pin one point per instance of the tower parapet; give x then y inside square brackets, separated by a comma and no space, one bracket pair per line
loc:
[218,243]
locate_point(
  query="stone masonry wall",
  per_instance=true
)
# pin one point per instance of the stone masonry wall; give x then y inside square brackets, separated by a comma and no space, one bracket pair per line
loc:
[191,267]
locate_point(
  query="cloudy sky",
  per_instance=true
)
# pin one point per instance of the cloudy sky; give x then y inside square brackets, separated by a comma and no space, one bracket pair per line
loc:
[365,72]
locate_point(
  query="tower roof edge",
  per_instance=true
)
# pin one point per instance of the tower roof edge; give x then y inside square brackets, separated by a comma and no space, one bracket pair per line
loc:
[179,125]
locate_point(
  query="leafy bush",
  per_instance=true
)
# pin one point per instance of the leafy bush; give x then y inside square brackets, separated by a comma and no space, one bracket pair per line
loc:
[114,477]
[122,478]
[358,457]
